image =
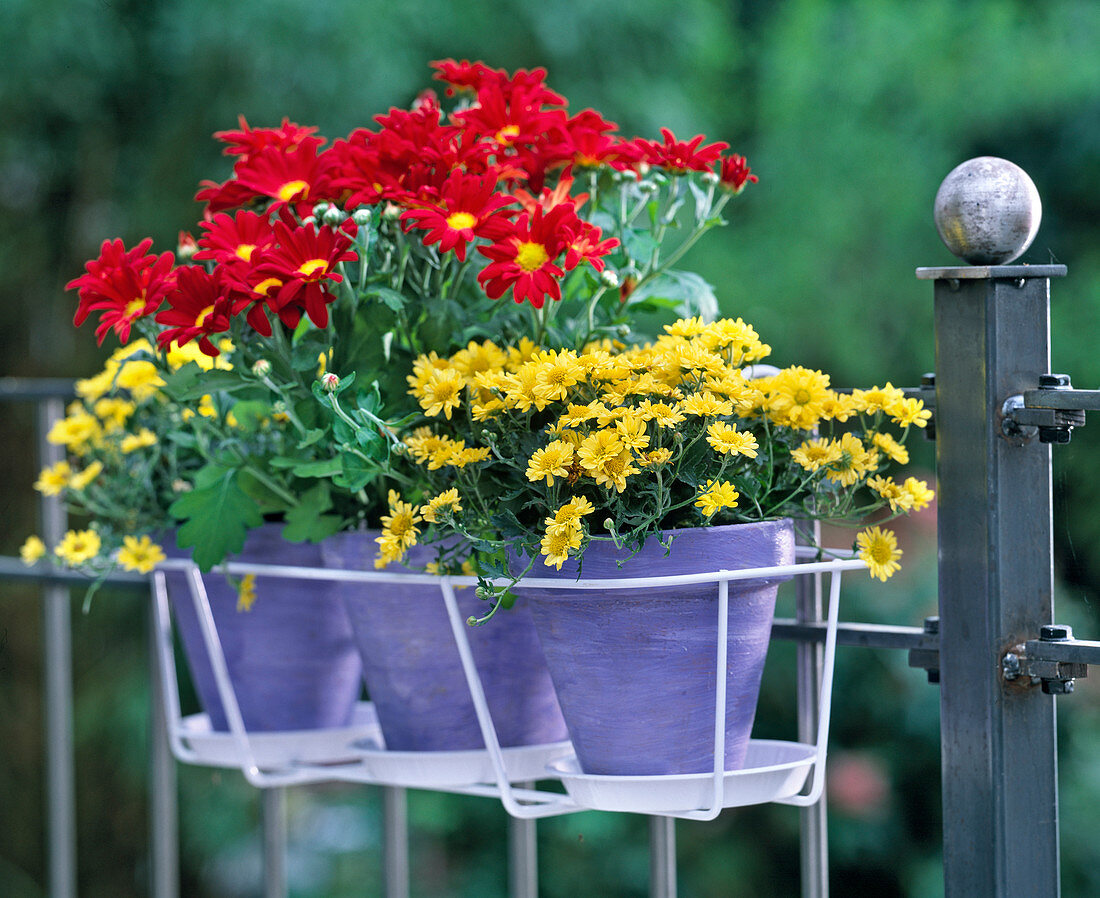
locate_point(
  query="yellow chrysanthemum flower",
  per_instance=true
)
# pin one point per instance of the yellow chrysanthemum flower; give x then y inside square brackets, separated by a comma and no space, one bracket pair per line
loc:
[853,463]
[442,393]
[891,448]
[246,592]
[686,327]
[113,412]
[79,481]
[549,462]
[399,530]
[571,512]
[558,542]
[909,411]
[52,480]
[32,549]
[468,455]
[77,431]
[900,499]
[141,555]
[877,399]
[879,549]
[478,357]
[92,388]
[78,546]
[140,378]
[817,453]
[139,440]
[919,492]
[796,397]
[655,458]
[706,405]
[664,414]
[557,373]
[631,429]
[446,501]
[715,496]
[726,439]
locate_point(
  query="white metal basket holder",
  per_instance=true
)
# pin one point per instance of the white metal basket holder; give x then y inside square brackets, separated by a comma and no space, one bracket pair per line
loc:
[774,771]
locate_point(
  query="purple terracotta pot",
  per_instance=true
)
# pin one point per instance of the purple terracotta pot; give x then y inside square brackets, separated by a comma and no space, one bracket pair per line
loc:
[634,669]
[412,667]
[291,658]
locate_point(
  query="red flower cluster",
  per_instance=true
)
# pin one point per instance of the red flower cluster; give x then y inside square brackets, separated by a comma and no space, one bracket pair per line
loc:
[475,178]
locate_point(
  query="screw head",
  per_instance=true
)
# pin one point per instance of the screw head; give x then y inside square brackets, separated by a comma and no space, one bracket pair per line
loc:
[1055,382]
[1055,632]
[987,211]
[931,625]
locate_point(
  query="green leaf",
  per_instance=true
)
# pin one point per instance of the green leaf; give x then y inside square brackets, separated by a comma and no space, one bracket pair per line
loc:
[325,467]
[311,437]
[250,414]
[217,516]
[356,472]
[688,292]
[191,382]
[307,520]
[391,298]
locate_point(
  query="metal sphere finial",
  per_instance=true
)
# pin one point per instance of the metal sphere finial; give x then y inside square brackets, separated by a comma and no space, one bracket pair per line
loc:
[987,211]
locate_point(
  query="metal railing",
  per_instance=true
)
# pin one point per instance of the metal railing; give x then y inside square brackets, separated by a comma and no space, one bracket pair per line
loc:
[999,659]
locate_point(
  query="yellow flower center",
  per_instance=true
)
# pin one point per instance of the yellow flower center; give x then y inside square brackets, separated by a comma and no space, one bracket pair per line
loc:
[531,256]
[459,221]
[134,307]
[266,286]
[507,134]
[245,251]
[312,266]
[200,319]
[291,189]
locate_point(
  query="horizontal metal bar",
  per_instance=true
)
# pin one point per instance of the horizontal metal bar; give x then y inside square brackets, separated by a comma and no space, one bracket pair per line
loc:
[1073,651]
[984,272]
[874,636]
[1066,400]
[35,389]
[14,569]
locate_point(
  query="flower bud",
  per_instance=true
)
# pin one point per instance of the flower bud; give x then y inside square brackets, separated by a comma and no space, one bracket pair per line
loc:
[710,177]
[261,368]
[333,217]
[309,219]
[320,209]
[609,278]
[609,525]
[181,486]
[329,382]
[391,212]
[362,216]
[186,246]
[647,187]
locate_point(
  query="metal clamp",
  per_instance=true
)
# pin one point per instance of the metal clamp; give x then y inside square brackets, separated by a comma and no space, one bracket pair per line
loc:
[1054,677]
[927,654]
[1050,412]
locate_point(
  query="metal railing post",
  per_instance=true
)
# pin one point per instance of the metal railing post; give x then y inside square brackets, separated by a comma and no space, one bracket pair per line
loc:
[813,819]
[395,841]
[163,804]
[523,874]
[999,752]
[58,666]
[662,857]
[273,821]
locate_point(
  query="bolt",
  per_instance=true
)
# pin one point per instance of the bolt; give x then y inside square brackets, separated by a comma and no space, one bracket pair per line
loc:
[928,380]
[933,676]
[1057,435]
[1010,666]
[1055,382]
[932,625]
[1057,687]
[1055,632]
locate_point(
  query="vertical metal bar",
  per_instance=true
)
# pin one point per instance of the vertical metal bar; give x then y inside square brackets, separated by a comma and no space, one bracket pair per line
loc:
[523,874]
[813,819]
[273,818]
[163,806]
[662,857]
[57,659]
[395,844]
[1000,791]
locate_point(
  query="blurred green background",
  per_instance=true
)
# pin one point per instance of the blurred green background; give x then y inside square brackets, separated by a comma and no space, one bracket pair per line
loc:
[850,111]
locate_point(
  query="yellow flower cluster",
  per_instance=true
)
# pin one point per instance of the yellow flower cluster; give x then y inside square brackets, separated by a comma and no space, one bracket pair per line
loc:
[608,413]
[399,530]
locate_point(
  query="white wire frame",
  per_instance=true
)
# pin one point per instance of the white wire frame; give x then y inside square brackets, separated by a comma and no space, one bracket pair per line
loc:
[522,803]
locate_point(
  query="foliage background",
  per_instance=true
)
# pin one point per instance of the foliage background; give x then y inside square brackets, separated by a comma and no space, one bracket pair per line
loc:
[850,111]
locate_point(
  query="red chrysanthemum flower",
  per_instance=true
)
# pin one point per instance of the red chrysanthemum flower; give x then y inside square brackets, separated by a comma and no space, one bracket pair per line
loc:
[468,207]
[587,245]
[233,240]
[124,285]
[297,176]
[464,75]
[198,307]
[525,259]
[679,156]
[248,140]
[230,194]
[305,260]
[734,173]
